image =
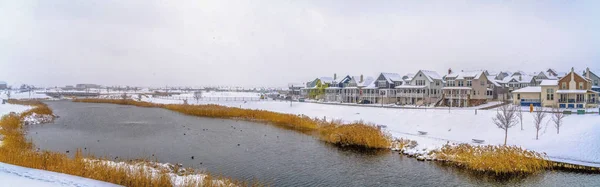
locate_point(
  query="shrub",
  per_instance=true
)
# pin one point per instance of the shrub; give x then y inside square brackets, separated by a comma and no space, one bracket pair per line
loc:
[500,160]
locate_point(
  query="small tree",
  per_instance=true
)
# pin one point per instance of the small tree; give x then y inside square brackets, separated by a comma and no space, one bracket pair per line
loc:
[197,95]
[506,118]
[557,118]
[538,116]
[520,116]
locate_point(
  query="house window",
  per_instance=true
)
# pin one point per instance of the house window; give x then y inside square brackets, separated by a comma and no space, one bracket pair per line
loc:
[437,83]
[381,84]
[549,94]
[519,96]
[469,83]
[581,85]
[482,83]
[460,83]
[595,82]
[564,85]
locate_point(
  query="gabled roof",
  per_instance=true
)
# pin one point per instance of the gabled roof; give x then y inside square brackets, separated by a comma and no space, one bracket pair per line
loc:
[494,82]
[549,83]
[392,77]
[431,75]
[529,89]
[326,79]
[463,74]
[576,74]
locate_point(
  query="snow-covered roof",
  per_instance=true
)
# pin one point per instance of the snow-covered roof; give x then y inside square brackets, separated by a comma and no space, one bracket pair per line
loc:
[494,82]
[431,75]
[549,83]
[463,74]
[326,79]
[2,82]
[392,77]
[296,85]
[571,91]
[529,89]
[366,82]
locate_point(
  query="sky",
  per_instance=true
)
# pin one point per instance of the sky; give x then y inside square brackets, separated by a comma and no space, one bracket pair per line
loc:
[276,42]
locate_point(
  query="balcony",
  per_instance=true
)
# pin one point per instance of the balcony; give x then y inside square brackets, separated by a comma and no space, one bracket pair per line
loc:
[571,101]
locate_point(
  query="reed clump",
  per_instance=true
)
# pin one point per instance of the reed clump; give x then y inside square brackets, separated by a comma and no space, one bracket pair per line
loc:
[17,150]
[499,160]
[357,134]
[38,107]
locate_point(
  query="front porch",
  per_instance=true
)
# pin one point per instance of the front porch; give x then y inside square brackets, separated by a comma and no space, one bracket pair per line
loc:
[577,98]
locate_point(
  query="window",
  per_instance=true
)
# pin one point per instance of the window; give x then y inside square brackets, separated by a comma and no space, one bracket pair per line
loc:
[549,94]
[469,83]
[460,83]
[482,83]
[581,85]
[564,85]
[381,84]
[595,82]
[437,83]
[519,96]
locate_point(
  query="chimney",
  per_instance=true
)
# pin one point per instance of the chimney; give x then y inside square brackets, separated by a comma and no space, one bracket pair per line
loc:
[361,78]
[334,76]
[449,71]
[587,73]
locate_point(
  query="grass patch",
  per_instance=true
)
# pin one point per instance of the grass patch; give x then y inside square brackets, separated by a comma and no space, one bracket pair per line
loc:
[499,160]
[17,150]
[357,134]
[38,107]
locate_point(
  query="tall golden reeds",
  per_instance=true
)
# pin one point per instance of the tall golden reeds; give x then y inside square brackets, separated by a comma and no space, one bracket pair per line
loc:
[500,160]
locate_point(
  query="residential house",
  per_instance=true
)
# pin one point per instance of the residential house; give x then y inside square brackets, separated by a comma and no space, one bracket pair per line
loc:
[518,80]
[333,93]
[424,88]
[496,91]
[355,92]
[575,91]
[316,88]
[548,93]
[294,89]
[527,96]
[594,78]
[386,85]
[465,88]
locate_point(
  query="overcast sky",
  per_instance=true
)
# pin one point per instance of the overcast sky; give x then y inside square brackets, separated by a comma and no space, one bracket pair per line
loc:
[272,43]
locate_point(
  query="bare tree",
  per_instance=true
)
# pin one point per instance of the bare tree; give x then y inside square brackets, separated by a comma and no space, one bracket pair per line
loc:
[557,118]
[520,115]
[538,116]
[197,95]
[506,117]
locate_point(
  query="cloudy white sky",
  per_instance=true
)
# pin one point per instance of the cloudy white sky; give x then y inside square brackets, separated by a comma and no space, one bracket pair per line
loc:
[272,43]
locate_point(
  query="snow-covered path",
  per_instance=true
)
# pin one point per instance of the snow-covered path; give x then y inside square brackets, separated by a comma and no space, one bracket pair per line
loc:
[578,141]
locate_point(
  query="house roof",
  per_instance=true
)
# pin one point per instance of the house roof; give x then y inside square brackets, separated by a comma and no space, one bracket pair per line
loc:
[431,75]
[549,83]
[296,85]
[494,82]
[326,79]
[392,77]
[571,91]
[463,74]
[529,89]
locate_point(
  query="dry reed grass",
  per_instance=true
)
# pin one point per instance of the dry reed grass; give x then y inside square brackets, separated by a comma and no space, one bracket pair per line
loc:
[38,107]
[499,160]
[357,134]
[17,150]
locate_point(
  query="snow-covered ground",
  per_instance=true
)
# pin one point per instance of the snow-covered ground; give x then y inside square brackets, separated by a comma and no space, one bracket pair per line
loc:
[578,141]
[23,95]
[11,175]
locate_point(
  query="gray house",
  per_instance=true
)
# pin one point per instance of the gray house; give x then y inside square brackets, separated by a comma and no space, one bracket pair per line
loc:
[594,79]
[386,84]
[3,85]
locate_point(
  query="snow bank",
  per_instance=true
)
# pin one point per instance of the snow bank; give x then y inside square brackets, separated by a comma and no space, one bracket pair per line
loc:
[11,175]
[35,119]
[179,176]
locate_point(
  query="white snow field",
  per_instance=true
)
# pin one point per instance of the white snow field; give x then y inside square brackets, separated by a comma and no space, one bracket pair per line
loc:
[577,143]
[11,175]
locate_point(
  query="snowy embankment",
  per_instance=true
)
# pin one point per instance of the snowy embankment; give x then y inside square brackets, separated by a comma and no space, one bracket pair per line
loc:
[12,175]
[577,143]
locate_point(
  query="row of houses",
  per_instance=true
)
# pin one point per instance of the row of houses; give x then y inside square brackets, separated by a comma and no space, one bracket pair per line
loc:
[573,90]
[428,88]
